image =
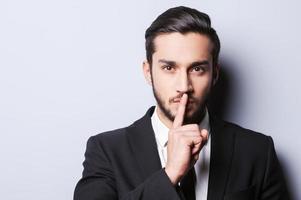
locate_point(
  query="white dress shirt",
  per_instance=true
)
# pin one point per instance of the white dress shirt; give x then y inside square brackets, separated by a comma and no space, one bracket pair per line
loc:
[201,166]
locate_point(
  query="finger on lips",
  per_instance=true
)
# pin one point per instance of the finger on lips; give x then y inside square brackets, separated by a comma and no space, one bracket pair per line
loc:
[179,118]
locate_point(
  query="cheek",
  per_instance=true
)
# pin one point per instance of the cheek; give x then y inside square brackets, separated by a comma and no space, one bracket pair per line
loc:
[162,83]
[202,86]
[163,88]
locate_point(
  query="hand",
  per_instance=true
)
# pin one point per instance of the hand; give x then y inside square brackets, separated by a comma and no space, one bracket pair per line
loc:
[184,144]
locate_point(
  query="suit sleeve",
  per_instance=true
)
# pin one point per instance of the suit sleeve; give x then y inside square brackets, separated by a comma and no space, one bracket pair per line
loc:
[98,181]
[274,185]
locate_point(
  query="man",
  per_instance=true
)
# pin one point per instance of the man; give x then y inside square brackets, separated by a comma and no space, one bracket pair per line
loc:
[178,150]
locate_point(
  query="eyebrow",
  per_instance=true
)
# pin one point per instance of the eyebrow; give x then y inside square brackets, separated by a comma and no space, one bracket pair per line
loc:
[193,64]
[169,62]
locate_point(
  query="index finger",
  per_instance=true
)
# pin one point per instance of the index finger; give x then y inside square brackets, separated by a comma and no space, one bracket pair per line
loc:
[179,118]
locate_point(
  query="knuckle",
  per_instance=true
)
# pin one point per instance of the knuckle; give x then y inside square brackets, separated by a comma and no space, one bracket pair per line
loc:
[199,139]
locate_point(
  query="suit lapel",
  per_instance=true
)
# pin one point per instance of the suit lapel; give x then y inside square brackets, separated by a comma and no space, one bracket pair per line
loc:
[222,145]
[143,144]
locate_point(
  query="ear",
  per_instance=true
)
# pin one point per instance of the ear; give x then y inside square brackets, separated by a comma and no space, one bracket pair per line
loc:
[216,73]
[147,72]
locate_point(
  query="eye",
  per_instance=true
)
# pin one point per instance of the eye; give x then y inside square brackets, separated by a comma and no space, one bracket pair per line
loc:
[167,67]
[198,69]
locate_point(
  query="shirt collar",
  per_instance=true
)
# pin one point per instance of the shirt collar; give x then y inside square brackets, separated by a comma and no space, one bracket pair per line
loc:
[161,131]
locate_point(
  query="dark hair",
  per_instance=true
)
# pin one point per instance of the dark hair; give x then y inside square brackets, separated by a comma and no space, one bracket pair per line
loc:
[183,20]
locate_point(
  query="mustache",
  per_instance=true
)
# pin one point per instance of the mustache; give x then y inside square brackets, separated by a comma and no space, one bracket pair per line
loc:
[191,99]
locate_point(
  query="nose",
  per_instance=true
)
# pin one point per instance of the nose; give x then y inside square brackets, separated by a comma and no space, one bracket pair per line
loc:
[183,83]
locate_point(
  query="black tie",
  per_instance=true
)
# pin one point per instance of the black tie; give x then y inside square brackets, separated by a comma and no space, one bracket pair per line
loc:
[188,183]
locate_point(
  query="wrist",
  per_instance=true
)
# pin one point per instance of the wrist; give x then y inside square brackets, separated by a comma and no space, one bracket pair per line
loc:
[173,177]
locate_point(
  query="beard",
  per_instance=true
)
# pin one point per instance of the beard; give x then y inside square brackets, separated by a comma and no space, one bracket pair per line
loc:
[196,115]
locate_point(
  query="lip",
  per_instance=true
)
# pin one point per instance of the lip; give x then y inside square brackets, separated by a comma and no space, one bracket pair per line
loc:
[178,101]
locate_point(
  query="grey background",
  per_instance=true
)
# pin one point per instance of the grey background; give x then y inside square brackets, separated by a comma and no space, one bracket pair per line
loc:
[70,69]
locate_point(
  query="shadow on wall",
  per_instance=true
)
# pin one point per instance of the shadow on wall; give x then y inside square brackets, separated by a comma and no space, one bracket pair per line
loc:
[287,175]
[219,104]
[223,90]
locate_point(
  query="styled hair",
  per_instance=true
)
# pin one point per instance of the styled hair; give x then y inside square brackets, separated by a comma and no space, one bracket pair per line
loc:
[183,20]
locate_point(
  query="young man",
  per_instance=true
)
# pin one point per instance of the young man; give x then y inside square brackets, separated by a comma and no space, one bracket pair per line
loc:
[178,150]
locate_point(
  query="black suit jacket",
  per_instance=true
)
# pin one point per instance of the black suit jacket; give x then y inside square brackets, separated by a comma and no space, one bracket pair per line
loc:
[124,164]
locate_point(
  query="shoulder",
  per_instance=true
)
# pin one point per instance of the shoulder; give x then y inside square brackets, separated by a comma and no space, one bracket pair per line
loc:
[109,143]
[245,141]
[110,137]
[120,136]
[242,132]
[249,140]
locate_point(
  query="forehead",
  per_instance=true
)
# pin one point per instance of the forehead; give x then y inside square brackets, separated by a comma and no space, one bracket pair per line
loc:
[182,47]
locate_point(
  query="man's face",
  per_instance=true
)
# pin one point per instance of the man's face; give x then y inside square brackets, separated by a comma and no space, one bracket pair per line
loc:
[181,63]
